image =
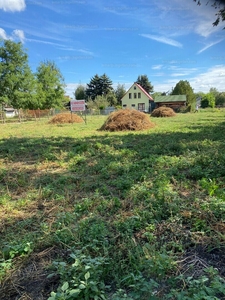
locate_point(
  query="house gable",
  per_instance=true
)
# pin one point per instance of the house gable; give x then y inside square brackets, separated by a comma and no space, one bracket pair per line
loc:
[137,98]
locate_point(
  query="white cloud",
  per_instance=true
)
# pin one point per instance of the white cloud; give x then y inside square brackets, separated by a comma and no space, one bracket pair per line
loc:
[157,67]
[214,77]
[12,5]
[163,39]
[19,34]
[209,45]
[3,34]
[16,34]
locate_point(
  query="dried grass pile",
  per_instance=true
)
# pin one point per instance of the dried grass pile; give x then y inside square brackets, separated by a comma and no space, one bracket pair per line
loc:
[66,118]
[163,111]
[127,119]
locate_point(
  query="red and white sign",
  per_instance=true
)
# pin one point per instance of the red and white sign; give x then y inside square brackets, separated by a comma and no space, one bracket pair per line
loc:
[77,105]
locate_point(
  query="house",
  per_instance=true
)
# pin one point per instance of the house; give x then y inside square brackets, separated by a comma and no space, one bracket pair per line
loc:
[137,98]
[172,101]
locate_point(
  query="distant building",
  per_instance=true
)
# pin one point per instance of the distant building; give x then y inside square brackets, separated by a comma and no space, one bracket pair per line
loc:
[137,98]
[10,112]
[172,101]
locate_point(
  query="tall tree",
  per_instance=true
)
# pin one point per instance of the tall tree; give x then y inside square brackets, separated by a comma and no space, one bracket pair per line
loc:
[219,5]
[17,83]
[119,93]
[51,85]
[98,86]
[183,87]
[80,92]
[145,83]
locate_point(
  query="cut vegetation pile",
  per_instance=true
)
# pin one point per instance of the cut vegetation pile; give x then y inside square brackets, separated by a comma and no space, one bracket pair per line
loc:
[66,118]
[163,111]
[127,119]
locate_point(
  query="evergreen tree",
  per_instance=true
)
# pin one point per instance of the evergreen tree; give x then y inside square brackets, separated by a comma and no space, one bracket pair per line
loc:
[98,86]
[145,83]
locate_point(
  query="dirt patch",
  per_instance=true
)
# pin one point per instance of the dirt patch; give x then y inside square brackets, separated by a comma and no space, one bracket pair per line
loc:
[127,119]
[66,118]
[30,281]
[195,261]
[163,111]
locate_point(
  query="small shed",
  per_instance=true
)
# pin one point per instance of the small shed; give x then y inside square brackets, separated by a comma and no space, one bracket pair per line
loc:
[172,101]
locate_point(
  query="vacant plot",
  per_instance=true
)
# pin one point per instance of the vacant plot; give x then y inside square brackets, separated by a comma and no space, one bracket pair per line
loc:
[89,214]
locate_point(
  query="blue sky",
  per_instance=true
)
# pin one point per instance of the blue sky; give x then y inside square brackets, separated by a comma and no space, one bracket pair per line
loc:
[168,41]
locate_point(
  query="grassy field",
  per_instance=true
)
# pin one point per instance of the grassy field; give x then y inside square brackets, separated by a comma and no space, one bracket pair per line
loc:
[88,214]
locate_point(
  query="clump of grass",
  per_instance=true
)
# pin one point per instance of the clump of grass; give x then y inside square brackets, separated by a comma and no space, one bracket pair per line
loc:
[127,119]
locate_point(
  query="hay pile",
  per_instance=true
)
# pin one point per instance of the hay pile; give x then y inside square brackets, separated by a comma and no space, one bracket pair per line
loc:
[127,119]
[163,111]
[65,118]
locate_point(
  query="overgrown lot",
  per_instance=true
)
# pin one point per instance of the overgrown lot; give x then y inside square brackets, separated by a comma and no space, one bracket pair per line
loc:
[87,214]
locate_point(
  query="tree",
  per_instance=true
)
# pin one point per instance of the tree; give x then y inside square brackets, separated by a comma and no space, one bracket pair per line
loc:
[17,83]
[183,87]
[51,85]
[220,6]
[100,102]
[119,93]
[111,98]
[80,92]
[220,99]
[98,86]
[145,83]
[155,94]
[208,100]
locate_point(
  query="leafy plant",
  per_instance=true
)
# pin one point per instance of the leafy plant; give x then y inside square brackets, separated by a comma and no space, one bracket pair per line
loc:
[82,278]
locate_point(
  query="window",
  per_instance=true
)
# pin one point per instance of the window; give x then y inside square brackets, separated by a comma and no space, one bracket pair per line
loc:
[133,105]
[134,87]
[124,105]
[135,95]
[141,106]
[139,95]
[130,96]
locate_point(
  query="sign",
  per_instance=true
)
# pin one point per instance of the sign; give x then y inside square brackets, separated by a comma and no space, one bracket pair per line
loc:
[77,105]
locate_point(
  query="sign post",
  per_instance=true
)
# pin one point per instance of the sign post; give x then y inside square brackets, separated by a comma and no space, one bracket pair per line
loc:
[78,105]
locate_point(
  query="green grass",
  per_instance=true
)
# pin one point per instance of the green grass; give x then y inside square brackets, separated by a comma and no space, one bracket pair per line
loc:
[123,215]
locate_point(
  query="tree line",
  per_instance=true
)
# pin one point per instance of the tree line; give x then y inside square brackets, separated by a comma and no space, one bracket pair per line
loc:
[23,89]
[44,89]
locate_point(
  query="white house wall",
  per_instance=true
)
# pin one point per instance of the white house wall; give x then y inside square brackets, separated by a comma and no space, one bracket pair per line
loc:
[133,102]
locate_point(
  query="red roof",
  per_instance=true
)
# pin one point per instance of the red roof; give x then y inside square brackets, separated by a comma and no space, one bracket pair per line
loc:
[144,91]
[141,88]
